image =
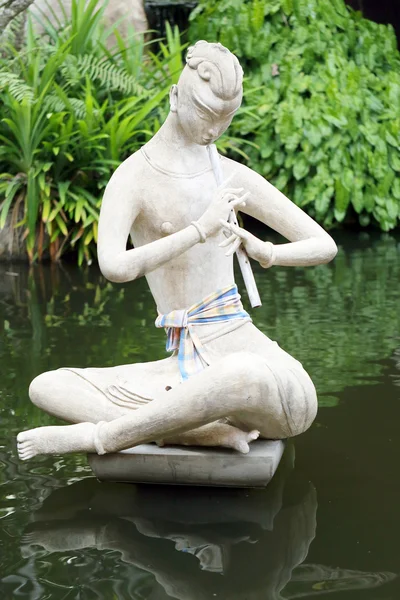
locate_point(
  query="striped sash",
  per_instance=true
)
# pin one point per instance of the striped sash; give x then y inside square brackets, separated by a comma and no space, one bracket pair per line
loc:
[222,305]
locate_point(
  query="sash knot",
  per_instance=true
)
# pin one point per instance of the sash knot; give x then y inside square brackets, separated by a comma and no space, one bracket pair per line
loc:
[222,305]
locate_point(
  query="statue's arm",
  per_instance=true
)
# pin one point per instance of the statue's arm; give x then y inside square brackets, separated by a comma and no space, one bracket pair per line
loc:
[119,210]
[309,243]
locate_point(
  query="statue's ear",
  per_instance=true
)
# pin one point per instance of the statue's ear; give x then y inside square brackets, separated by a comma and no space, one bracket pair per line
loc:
[173,98]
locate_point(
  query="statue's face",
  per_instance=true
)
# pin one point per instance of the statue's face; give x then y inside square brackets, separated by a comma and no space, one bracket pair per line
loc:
[203,116]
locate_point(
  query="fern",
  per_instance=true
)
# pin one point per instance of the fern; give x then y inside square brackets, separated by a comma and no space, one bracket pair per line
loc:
[54,103]
[109,75]
[16,87]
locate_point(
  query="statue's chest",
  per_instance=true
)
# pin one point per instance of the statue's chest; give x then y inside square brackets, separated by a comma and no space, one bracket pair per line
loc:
[170,204]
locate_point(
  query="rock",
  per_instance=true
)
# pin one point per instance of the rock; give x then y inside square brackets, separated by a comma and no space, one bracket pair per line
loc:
[120,12]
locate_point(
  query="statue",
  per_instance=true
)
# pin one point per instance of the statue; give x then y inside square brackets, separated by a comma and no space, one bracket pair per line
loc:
[226,383]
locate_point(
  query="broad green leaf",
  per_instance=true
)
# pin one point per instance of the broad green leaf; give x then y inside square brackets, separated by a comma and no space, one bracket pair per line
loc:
[395,160]
[357,200]
[300,168]
[342,199]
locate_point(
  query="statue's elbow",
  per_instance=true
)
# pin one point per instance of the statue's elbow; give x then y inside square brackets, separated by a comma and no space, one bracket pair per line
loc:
[330,250]
[110,273]
[114,270]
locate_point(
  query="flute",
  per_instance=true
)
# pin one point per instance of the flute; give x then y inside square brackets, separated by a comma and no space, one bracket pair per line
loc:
[243,259]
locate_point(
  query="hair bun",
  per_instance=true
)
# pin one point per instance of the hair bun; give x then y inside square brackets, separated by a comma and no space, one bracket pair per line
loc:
[216,64]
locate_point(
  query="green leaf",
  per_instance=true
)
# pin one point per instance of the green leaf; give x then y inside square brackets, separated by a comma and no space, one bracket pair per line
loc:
[392,140]
[339,215]
[323,201]
[300,168]
[336,119]
[396,189]
[32,200]
[11,191]
[313,134]
[357,200]
[62,226]
[385,184]
[287,6]
[393,209]
[342,199]
[395,160]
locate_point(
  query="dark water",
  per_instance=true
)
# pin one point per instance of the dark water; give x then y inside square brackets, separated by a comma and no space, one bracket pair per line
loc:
[328,525]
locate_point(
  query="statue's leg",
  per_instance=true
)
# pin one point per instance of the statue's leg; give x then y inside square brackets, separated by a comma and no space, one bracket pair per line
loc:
[241,385]
[214,434]
[68,394]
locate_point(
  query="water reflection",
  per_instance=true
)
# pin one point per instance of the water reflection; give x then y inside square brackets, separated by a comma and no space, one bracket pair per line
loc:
[94,539]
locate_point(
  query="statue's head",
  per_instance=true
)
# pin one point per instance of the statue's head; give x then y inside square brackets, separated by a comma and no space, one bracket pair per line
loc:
[208,93]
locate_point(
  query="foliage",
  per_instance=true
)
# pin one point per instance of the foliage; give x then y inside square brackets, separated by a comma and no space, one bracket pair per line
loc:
[322,103]
[71,110]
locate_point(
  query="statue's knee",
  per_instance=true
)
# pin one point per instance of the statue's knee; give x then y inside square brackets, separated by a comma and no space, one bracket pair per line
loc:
[250,369]
[40,389]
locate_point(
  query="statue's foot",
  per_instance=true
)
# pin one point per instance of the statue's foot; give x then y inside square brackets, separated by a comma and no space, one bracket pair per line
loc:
[56,440]
[239,440]
[217,435]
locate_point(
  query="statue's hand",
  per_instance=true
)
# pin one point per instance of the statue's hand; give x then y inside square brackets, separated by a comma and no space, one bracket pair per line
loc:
[223,202]
[263,252]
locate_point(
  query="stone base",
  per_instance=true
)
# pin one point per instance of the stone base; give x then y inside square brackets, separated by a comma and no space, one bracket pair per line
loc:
[181,465]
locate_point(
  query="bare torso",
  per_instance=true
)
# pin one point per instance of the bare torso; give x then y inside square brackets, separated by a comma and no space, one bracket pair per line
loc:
[167,207]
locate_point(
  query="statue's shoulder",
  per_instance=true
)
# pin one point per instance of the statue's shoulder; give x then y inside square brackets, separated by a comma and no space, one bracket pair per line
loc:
[131,170]
[246,174]
[127,183]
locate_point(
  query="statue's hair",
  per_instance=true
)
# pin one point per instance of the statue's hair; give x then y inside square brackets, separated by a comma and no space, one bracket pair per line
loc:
[217,65]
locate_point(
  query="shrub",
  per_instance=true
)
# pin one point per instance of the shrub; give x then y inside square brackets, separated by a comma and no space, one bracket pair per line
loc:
[70,111]
[322,102]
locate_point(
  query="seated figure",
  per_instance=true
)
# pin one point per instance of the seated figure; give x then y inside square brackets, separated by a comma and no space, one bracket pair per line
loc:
[226,383]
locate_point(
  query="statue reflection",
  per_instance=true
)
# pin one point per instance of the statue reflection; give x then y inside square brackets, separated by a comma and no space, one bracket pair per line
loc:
[187,538]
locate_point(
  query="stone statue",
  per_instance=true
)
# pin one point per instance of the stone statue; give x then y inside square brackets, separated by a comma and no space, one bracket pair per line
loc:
[226,383]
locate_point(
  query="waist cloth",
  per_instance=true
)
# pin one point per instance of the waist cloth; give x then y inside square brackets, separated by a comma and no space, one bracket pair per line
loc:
[222,305]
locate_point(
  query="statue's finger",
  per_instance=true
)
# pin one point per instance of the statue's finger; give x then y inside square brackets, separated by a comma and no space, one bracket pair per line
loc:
[246,195]
[228,241]
[226,228]
[237,202]
[239,231]
[234,247]
[226,225]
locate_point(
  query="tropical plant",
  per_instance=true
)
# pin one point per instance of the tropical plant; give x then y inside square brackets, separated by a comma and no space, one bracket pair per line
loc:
[71,111]
[322,102]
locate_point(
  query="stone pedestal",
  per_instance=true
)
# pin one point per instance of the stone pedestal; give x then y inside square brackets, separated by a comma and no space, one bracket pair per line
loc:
[182,465]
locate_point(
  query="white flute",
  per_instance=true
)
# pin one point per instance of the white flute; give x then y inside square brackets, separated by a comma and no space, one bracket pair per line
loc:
[243,259]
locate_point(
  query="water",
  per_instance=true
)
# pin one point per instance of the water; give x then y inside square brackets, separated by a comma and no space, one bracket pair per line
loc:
[327,525]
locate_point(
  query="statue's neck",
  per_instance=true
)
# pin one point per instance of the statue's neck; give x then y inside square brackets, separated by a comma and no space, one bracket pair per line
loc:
[170,150]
